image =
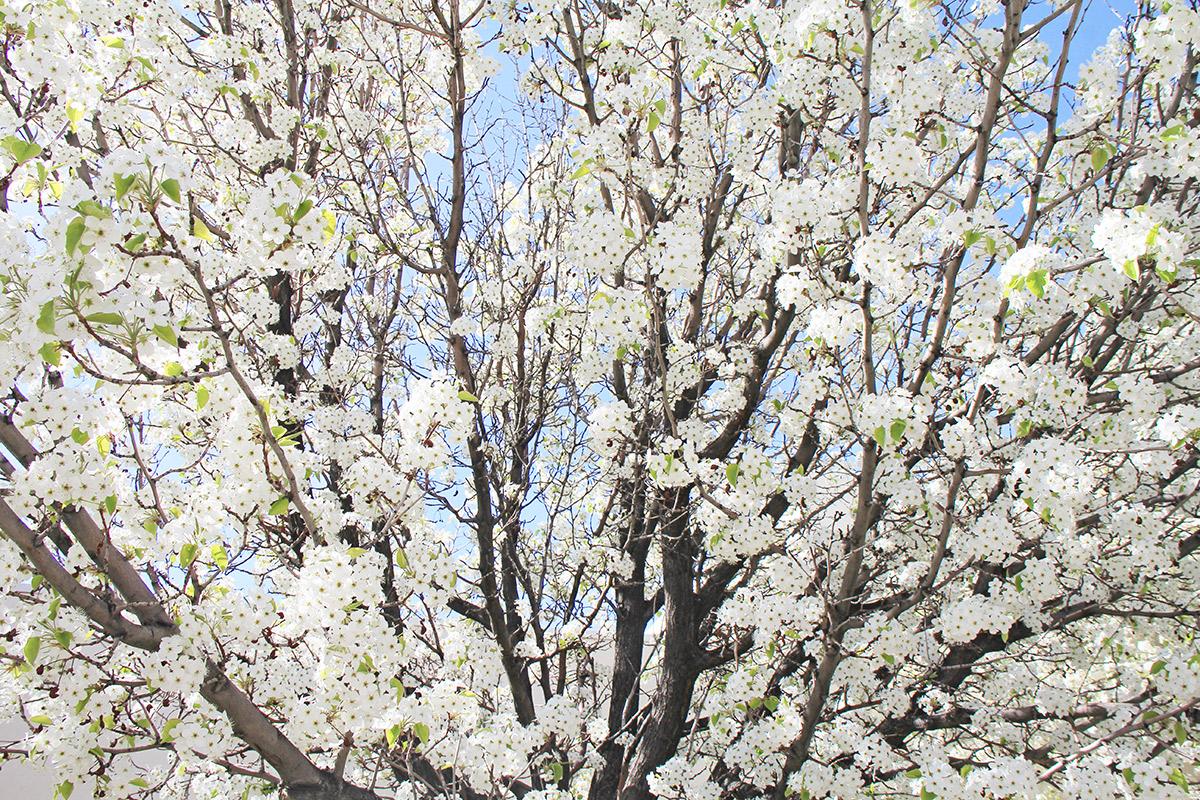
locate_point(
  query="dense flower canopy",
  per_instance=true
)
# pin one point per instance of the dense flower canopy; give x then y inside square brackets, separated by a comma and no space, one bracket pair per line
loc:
[616,399]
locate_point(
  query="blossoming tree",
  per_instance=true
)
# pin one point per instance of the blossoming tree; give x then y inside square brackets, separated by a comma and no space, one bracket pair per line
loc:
[611,399]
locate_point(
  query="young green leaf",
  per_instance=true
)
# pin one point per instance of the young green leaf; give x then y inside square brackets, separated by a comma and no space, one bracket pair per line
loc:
[21,150]
[45,320]
[106,318]
[201,231]
[167,334]
[170,188]
[123,185]
[731,474]
[33,646]
[75,231]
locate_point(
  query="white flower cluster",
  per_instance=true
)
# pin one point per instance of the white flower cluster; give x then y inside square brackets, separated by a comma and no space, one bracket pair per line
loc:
[1166,40]
[175,667]
[962,621]
[675,258]
[836,323]
[886,263]
[610,427]
[600,244]
[1029,268]
[1125,237]
[894,417]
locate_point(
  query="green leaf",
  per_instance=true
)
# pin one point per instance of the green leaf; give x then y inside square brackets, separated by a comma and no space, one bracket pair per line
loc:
[134,243]
[913,773]
[32,648]
[167,334]
[652,122]
[731,474]
[106,318]
[556,769]
[1100,156]
[1179,779]
[889,659]
[392,734]
[123,184]
[1036,281]
[279,507]
[41,719]
[1132,269]
[21,150]
[103,445]
[355,552]
[1181,733]
[170,188]
[584,169]
[201,231]
[187,554]
[421,730]
[303,209]
[49,354]
[74,233]
[201,397]
[898,428]
[219,556]
[880,436]
[467,397]
[971,237]
[80,437]
[90,208]
[166,731]
[45,320]
[771,702]
[173,369]
[1172,133]
[110,504]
